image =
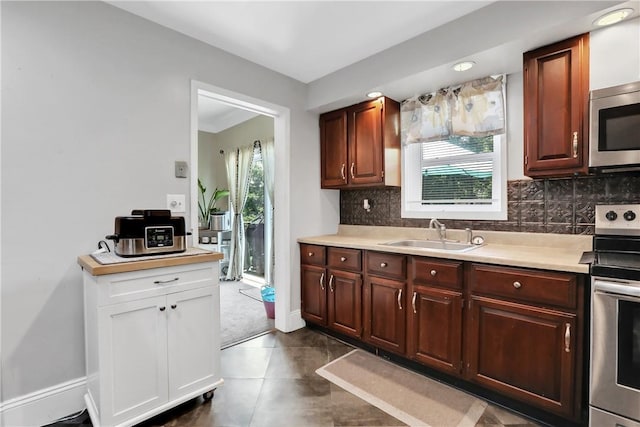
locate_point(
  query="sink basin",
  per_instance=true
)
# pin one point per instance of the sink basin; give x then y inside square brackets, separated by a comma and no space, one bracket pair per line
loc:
[433,244]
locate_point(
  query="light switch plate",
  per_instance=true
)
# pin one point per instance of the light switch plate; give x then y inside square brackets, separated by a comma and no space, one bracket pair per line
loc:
[181,169]
[176,202]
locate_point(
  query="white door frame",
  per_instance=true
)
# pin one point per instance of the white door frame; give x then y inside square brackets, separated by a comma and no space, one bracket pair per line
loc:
[286,320]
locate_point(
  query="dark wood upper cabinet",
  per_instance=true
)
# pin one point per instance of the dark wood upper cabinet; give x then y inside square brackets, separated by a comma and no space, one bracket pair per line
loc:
[360,145]
[556,99]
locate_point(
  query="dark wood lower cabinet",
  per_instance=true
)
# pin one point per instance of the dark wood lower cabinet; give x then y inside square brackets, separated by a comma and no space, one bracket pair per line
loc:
[514,334]
[313,294]
[345,302]
[524,352]
[384,310]
[435,328]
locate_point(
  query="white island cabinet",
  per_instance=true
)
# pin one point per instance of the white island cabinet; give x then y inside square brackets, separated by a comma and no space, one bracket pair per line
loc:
[152,331]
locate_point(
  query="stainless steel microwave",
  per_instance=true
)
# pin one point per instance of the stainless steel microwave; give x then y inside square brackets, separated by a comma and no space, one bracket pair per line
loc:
[614,114]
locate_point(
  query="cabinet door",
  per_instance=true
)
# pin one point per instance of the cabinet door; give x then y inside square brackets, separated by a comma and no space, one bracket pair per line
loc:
[384,311]
[524,352]
[365,143]
[435,328]
[133,358]
[193,340]
[556,91]
[345,302]
[314,295]
[333,146]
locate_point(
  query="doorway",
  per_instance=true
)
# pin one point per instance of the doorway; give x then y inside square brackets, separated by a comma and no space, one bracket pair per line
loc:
[281,217]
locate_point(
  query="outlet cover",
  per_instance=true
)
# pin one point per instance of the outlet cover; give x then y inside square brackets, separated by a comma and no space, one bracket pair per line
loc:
[176,202]
[181,169]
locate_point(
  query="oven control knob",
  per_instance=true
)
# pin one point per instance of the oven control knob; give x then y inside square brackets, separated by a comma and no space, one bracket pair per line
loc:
[629,215]
[611,215]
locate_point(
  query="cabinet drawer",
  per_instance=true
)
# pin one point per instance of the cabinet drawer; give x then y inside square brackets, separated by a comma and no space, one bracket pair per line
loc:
[540,287]
[312,254]
[432,272]
[344,259]
[120,287]
[387,265]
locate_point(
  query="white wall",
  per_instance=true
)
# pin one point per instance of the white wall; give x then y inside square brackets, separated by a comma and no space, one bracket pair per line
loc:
[95,110]
[615,55]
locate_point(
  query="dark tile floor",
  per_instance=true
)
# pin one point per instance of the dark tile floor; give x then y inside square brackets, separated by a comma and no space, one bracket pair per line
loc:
[271,381]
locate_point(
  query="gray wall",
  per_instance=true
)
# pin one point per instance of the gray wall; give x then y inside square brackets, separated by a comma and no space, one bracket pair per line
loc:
[95,110]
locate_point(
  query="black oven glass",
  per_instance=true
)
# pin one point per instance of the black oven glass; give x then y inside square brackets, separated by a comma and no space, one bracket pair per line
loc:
[618,128]
[629,344]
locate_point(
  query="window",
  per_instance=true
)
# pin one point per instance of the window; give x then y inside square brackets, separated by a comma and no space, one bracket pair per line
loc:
[454,153]
[456,178]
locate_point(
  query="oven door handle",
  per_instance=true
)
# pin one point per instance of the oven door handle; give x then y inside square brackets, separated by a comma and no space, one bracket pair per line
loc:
[616,288]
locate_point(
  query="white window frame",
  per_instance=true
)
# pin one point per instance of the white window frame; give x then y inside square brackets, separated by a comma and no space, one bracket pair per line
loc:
[411,189]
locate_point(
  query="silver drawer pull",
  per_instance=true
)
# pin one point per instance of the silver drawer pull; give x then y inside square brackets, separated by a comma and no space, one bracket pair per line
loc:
[433,273]
[310,253]
[162,282]
[517,285]
[383,264]
[343,259]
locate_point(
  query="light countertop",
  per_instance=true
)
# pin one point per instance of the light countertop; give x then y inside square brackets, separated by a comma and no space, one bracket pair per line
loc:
[558,252]
[96,269]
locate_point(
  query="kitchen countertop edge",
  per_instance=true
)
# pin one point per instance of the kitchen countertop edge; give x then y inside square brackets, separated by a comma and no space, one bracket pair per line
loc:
[563,258]
[96,269]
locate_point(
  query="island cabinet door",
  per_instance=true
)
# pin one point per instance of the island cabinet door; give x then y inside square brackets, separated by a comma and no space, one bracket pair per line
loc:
[384,311]
[345,302]
[314,296]
[434,335]
[524,352]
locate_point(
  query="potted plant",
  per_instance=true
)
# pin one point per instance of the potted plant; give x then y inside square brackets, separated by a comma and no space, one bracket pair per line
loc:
[206,206]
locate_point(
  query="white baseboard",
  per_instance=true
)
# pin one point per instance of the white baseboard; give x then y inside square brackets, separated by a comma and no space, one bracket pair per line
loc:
[44,406]
[295,322]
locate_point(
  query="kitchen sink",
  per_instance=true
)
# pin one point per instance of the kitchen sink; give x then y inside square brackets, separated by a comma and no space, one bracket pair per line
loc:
[433,244]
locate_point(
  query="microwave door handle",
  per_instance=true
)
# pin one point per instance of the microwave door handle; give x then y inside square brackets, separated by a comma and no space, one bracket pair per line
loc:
[617,289]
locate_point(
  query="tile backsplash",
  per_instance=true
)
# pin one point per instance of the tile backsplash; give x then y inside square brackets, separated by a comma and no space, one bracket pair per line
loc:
[554,205]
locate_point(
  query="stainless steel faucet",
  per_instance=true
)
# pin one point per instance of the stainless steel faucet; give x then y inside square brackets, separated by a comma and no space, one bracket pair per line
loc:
[442,230]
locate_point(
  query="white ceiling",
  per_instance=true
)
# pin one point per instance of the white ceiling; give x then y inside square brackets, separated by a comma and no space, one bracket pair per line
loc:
[342,49]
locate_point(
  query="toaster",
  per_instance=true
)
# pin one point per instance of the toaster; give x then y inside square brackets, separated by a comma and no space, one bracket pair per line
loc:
[148,232]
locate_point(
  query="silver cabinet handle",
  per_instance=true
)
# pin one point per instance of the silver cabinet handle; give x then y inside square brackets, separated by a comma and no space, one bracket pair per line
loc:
[567,337]
[433,273]
[383,264]
[517,285]
[331,283]
[353,165]
[344,177]
[575,145]
[343,259]
[413,302]
[399,298]
[322,281]
[310,253]
[162,282]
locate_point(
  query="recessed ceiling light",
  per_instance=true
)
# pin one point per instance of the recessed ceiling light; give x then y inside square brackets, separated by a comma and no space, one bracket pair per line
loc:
[613,17]
[374,94]
[464,66]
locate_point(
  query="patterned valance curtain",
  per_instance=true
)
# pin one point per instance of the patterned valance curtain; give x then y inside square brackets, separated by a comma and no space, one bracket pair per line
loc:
[474,108]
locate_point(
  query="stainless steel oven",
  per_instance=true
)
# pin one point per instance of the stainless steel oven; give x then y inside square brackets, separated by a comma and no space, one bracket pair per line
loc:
[615,318]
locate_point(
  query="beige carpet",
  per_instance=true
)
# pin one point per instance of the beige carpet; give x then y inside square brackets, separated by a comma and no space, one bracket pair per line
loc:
[405,395]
